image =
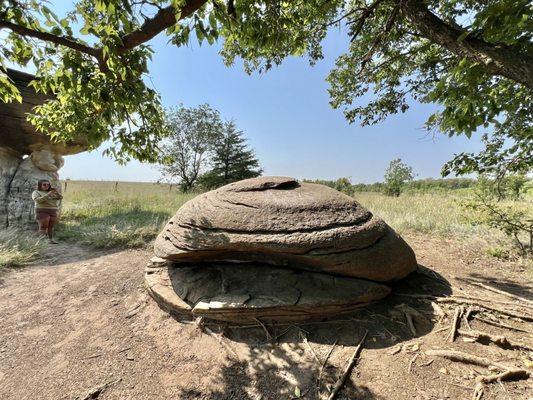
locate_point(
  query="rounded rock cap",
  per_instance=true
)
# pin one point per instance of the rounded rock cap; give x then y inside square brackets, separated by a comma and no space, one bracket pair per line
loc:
[280,221]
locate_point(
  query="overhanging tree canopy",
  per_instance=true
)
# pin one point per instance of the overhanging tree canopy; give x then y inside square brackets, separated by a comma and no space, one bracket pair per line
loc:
[473,58]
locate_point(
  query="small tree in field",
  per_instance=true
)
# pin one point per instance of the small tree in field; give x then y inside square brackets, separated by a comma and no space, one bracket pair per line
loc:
[396,175]
[231,160]
[192,133]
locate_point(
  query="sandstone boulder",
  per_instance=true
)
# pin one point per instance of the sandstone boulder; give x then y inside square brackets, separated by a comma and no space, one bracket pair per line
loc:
[279,221]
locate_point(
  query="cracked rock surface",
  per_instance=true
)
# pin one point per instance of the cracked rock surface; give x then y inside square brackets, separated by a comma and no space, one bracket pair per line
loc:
[276,249]
[244,292]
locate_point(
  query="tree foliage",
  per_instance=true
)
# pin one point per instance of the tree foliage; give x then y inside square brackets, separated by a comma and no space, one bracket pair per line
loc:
[474,59]
[231,159]
[396,176]
[192,134]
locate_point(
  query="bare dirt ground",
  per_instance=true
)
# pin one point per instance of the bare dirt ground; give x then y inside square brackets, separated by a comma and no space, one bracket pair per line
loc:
[82,319]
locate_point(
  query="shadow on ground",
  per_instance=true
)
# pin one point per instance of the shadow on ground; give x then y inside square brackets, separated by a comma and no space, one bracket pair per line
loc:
[384,320]
[278,363]
[265,384]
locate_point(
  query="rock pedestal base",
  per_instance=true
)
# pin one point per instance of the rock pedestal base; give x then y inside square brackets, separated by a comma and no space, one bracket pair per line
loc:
[247,292]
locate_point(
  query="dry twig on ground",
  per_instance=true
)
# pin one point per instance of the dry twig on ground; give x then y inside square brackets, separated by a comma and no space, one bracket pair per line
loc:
[499,340]
[459,311]
[348,369]
[466,316]
[465,358]
[508,373]
[411,363]
[520,314]
[502,292]
[95,392]
[323,366]
[502,325]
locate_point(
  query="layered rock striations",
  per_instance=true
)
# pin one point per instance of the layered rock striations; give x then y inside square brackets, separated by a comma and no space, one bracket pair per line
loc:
[279,221]
[236,253]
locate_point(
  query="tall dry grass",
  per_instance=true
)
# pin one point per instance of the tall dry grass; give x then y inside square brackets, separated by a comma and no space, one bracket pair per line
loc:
[19,248]
[108,215]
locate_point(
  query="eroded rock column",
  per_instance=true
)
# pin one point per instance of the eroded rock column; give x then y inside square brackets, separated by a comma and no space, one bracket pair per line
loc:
[9,163]
[19,179]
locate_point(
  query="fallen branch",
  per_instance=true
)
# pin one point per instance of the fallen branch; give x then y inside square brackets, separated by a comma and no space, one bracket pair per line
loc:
[221,341]
[411,315]
[502,311]
[410,323]
[411,363]
[267,333]
[323,366]
[473,302]
[312,351]
[348,369]
[467,358]
[463,297]
[509,375]
[466,316]
[492,289]
[501,325]
[499,340]
[455,324]
[438,310]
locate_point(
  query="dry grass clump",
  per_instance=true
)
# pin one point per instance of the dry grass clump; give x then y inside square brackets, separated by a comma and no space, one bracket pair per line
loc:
[18,248]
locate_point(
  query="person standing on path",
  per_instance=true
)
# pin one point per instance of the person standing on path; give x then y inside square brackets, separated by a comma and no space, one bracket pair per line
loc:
[47,200]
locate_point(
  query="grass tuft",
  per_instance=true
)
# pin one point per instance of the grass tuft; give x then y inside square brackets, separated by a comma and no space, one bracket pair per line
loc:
[19,248]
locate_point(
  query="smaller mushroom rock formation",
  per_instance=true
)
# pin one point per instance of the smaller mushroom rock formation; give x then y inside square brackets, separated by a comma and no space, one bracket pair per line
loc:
[26,155]
[274,248]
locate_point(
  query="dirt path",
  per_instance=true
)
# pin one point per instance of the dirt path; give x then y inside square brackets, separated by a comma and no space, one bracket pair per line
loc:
[82,319]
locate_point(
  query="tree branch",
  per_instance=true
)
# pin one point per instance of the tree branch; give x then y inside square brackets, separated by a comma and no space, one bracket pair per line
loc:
[163,19]
[49,37]
[498,60]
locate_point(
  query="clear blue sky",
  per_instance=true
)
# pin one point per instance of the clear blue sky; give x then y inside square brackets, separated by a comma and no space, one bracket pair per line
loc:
[286,116]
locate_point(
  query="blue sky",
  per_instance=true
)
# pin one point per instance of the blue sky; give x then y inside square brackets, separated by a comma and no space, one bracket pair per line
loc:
[287,119]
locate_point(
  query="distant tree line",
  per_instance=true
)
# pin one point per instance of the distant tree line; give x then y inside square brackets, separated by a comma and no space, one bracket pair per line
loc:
[419,185]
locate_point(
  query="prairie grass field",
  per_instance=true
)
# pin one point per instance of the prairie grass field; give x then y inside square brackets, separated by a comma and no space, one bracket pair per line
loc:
[106,215]
[131,214]
[109,215]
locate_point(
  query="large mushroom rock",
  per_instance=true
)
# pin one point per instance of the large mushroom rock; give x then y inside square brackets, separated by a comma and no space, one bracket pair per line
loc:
[26,155]
[279,221]
[276,249]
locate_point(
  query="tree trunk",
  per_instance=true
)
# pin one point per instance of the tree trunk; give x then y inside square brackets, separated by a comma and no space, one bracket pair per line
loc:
[498,60]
